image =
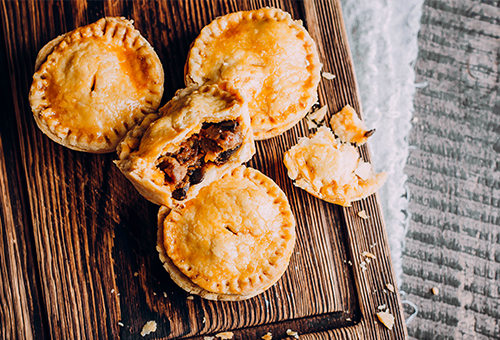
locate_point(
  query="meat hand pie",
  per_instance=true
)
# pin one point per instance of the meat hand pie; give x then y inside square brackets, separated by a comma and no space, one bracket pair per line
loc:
[267,54]
[233,241]
[197,137]
[93,84]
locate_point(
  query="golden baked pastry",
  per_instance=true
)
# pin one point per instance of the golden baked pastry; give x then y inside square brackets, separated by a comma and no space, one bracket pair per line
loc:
[233,241]
[330,170]
[269,56]
[349,127]
[197,137]
[93,84]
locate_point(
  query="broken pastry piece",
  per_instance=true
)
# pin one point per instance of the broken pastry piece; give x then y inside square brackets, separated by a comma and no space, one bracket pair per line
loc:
[233,241]
[266,54]
[349,127]
[93,84]
[330,170]
[197,137]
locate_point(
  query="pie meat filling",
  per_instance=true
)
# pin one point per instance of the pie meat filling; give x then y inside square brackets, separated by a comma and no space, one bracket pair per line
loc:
[218,141]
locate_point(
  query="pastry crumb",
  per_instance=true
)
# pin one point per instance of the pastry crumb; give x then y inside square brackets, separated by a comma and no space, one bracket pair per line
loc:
[121,324]
[164,294]
[390,287]
[435,290]
[328,75]
[112,291]
[148,328]
[382,307]
[190,297]
[369,255]
[318,115]
[267,336]
[136,274]
[363,215]
[310,124]
[348,319]
[386,318]
[225,335]
[208,337]
[294,334]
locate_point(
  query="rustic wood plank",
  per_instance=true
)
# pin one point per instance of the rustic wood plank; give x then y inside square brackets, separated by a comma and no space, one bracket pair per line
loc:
[94,237]
[328,30]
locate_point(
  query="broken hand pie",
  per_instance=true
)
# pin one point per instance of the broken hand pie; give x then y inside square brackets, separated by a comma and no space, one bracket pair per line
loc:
[197,137]
[330,170]
[266,54]
[233,241]
[93,84]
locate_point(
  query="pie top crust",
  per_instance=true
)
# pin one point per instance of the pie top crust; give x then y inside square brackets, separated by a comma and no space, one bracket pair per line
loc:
[234,240]
[93,84]
[330,170]
[165,132]
[269,56]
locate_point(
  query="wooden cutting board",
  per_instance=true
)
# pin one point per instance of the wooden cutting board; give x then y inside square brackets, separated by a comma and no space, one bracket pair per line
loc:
[78,257]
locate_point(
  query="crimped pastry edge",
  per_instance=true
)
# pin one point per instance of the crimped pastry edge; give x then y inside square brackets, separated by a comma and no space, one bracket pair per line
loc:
[185,282]
[215,28]
[55,48]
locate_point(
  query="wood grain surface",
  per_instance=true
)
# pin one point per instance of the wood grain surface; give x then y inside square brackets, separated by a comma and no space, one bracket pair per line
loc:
[78,257]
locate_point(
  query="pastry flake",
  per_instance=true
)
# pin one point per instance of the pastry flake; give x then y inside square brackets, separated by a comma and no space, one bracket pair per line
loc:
[269,56]
[330,170]
[233,241]
[93,84]
[197,137]
[349,127]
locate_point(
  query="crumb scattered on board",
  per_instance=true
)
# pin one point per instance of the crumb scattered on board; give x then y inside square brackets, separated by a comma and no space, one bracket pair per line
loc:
[435,290]
[208,337]
[267,336]
[311,125]
[318,115]
[390,287]
[190,297]
[369,255]
[149,327]
[289,332]
[136,274]
[386,318]
[121,324]
[363,215]
[328,75]
[225,335]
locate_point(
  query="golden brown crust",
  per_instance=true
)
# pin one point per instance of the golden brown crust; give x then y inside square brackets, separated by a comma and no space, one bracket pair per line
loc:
[269,56]
[233,241]
[330,170]
[162,133]
[94,83]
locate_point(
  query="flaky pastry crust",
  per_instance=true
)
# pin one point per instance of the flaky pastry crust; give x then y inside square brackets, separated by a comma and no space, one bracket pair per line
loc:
[330,170]
[163,133]
[233,241]
[347,125]
[93,84]
[269,56]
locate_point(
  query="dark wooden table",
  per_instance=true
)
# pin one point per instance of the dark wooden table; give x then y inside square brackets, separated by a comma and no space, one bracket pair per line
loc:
[77,242]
